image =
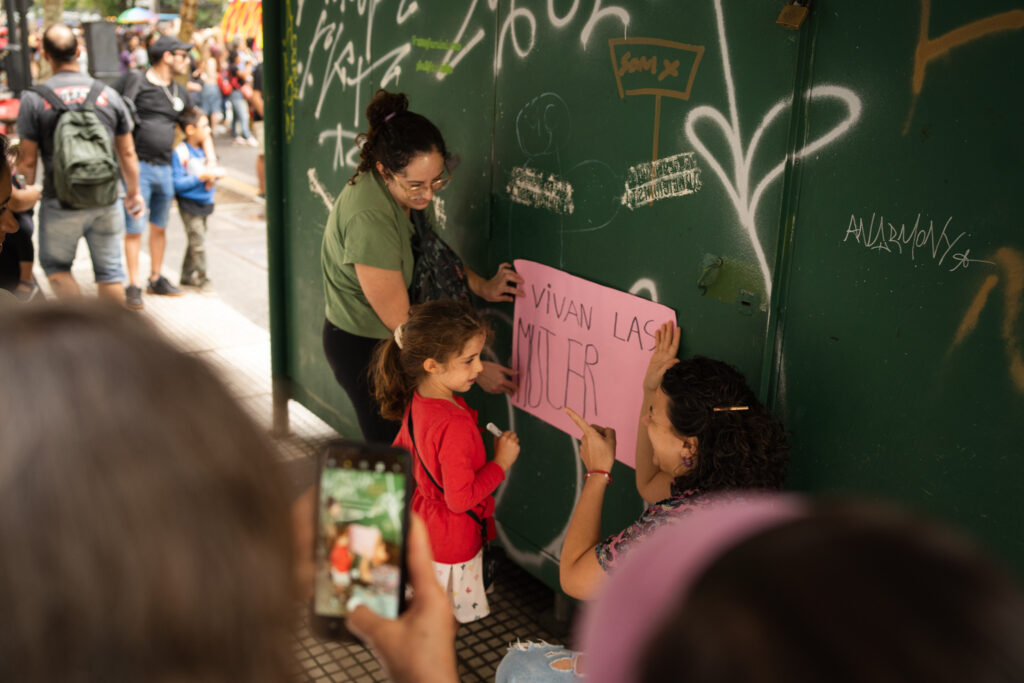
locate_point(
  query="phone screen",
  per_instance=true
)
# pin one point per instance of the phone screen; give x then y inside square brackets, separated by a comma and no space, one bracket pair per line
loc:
[361,521]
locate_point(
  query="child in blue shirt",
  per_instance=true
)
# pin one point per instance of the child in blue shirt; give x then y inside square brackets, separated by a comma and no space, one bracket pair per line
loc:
[194,188]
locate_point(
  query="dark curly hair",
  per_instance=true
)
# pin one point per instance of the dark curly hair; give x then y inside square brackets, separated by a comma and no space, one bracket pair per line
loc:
[395,135]
[735,449]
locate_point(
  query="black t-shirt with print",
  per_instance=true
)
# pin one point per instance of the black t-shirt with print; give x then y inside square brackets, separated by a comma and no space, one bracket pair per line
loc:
[156,116]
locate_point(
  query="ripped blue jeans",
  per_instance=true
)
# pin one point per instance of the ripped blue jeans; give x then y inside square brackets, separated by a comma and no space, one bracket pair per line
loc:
[535,662]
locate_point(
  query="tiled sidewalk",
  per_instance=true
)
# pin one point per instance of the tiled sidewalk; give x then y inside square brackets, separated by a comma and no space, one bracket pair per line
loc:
[240,351]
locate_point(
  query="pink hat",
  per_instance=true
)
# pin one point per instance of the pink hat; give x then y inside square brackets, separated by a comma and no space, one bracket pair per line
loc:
[641,595]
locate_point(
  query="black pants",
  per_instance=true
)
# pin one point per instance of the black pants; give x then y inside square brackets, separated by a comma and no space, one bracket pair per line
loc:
[17,248]
[349,358]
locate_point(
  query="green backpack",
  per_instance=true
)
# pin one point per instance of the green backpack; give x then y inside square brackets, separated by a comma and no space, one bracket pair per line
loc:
[85,171]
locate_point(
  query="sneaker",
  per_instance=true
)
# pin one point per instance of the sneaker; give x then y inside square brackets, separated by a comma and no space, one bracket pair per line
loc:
[133,297]
[163,287]
[239,141]
[27,295]
[252,142]
[197,281]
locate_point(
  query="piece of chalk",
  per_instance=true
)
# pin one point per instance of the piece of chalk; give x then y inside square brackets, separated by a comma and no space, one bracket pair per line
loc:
[494,429]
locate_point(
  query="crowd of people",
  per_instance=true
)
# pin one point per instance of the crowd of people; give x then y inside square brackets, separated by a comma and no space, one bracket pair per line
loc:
[147,113]
[146,533]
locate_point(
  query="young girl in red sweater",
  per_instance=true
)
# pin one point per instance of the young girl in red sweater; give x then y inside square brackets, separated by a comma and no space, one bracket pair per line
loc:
[417,375]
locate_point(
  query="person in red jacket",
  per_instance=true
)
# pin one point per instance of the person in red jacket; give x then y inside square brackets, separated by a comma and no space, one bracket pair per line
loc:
[417,375]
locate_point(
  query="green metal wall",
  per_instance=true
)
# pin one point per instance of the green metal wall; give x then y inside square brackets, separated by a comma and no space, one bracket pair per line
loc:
[792,169]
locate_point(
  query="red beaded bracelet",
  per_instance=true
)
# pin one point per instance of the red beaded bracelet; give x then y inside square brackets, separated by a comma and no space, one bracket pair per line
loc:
[607,475]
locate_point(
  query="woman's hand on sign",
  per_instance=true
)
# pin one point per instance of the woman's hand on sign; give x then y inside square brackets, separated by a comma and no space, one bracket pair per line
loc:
[497,379]
[666,346]
[597,447]
[502,287]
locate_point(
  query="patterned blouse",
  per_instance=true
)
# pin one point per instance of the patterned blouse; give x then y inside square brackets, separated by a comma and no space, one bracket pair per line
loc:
[681,502]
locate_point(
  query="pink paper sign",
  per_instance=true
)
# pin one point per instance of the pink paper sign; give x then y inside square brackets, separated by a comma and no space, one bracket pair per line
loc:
[585,346]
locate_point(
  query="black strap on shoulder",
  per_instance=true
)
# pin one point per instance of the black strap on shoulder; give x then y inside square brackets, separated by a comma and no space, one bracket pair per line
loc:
[94,93]
[417,452]
[47,93]
[133,84]
[476,518]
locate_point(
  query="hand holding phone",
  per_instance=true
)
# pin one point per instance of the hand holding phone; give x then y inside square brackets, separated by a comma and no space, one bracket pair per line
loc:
[135,204]
[362,505]
[420,645]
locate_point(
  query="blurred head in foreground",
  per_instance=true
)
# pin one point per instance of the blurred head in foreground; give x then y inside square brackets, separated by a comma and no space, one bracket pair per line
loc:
[144,527]
[778,588]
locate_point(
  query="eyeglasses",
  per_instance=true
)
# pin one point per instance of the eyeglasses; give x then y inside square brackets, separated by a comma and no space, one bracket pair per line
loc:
[417,190]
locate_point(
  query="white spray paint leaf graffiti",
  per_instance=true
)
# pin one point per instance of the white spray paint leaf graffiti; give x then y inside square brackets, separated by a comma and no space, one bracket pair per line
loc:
[738,187]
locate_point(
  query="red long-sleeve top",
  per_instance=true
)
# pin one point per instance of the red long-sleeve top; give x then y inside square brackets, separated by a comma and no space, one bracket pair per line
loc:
[449,443]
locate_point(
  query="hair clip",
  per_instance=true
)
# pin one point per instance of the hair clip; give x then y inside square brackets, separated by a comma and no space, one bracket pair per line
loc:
[729,409]
[398,336]
[390,116]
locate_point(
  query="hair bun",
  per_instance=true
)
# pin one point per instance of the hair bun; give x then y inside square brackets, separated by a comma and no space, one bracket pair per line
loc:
[384,105]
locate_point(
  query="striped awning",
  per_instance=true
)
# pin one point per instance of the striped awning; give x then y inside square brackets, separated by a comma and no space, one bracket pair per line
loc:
[243,18]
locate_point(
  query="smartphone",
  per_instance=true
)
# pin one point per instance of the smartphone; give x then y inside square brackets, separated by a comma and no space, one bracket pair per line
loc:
[363,495]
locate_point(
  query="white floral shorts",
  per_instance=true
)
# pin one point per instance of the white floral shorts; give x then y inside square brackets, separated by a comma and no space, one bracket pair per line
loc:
[464,583]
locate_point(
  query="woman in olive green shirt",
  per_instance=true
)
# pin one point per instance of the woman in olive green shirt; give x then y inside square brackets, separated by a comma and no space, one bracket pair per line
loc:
[367,258]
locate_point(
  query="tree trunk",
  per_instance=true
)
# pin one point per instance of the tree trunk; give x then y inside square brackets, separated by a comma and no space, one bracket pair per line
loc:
[187,13]
[53,12]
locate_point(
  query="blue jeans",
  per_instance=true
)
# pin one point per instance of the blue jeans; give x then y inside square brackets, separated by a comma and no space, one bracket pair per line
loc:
[241,114]
[537,662]
[156,183]
[211,101]
[59,232]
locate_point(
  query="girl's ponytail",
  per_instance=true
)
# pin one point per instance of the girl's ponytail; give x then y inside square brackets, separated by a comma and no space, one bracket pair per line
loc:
[436,329]
[392,387]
